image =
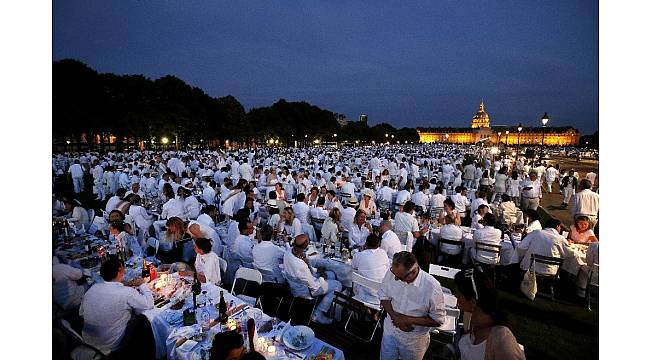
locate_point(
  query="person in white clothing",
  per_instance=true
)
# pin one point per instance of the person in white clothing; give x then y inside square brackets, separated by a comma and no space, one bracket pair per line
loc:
[107,307]
[359,230]
[550,175]
[301,209]
[289,224]
[143,220]
[207,262]
[372,262]
[586,203]
[389,240]
[76,214]
[77,174]
[450,231]
[531,192]
[303,283]
[66,290]
[414,302]
[546,242]
[406,222]
[209,193]
[487,235]
[267,256]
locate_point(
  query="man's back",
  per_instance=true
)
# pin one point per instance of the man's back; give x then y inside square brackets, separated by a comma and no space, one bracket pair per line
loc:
[546,242]
[106,310]
[586,203]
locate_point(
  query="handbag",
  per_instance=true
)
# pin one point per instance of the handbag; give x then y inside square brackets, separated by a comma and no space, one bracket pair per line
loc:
[529,283]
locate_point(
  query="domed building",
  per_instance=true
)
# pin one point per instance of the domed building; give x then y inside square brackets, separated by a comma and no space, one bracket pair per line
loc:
[481,118]
[480,130]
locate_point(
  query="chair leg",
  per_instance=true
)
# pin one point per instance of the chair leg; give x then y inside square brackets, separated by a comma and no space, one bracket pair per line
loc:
[588,297]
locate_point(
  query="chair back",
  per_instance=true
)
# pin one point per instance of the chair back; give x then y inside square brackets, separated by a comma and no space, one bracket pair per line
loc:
[267,275]
[547,260]
[91,214]
[487,253]
[100,222]
[593,275]
[154,243]
[223,265]
[247,274]
[67,328]
[443,271]
[317,223]
[454,243]
[365,282]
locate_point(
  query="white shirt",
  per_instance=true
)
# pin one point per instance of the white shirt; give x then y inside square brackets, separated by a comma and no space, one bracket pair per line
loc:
[402,197]
[422,297]
[347,217]
[142,219]
[173,208]
[244,249]
[209,195]
[586,202]
[329,230]
[80,217]
[421,199]
[450,232]
[65,291]
[546,242]
[301,210]
[532,193]
[206,231]
[267,256]
[76,171]
[385,194]
[208,265]
[460,203]
[488,235]
[294,229]
[437,201]
[299,270]
[405,223]
[390,243]
[112,203]
[191,207]
[358,235]
[373,264]
[106,310]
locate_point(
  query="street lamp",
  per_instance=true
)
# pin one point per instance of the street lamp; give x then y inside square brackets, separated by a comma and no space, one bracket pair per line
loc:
[544,121]
[447,138]
[499,138]
[507,132]
[165,140]
[386,135]
[519,128]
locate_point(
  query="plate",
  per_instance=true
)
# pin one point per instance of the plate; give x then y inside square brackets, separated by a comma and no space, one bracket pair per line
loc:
[298,337]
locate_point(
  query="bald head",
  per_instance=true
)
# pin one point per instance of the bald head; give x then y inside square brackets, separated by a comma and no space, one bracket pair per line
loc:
[301,241]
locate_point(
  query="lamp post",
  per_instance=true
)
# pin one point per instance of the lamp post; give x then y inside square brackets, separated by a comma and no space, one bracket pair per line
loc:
[507,132]
[447,138]
[544,122]
[519,128]
[499,139]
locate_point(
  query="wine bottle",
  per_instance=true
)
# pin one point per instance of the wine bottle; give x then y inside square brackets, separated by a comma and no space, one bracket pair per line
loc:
[87,247]
[223,310]
[196,289]
[145,269]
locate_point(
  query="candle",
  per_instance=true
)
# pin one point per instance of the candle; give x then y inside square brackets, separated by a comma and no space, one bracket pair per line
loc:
[271,349]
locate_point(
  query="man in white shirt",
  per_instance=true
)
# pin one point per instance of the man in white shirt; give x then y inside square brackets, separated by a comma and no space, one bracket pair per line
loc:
[468,175]
[243,247]
[111,204]
[77,174]
[586,203]
[66,291]
[546,242]
[488,234]
[98,180]
[267,256]
[389,240]
[531,192]
[191,205]
[450,231]
[206,264]
[245,170]
[301,209]
[591,176]
[209,193]
[373,263]
[414,302]
[551,175]
[107,307]
[421,198]
[348,213]
[303,283]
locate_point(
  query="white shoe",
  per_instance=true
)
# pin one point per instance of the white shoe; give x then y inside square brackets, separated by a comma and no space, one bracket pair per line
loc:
[320,318]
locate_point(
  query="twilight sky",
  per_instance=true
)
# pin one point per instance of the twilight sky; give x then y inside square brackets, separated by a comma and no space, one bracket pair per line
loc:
[414,63]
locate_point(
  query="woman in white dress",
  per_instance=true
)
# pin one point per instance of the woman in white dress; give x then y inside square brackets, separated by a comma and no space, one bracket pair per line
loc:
[512,187]
[499,183]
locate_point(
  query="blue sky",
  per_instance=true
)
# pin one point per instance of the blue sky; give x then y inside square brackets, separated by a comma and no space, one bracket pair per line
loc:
[415,63]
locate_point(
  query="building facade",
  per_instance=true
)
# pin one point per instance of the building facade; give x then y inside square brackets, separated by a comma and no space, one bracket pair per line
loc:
[480,130]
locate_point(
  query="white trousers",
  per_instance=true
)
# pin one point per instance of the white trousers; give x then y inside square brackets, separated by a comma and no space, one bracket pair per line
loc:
[78,183]
[568,193]
[528,203]
[328,299]
[402,347]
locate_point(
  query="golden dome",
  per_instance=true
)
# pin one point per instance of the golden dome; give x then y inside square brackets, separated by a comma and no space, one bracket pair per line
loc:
[481,119]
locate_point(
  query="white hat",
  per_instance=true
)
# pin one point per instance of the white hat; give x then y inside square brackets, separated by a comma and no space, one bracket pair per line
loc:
[366,192]
[272,203]
[353,201]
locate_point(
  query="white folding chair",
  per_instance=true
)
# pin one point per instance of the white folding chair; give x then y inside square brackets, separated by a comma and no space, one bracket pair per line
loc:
[91,214]
[359,307]
[247,275]
[368,283]
[223,265]
[300,290]
[443,271]
[154,243]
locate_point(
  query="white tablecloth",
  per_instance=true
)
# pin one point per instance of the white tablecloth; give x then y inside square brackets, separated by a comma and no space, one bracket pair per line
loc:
[166,335]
